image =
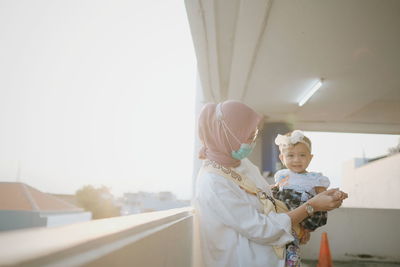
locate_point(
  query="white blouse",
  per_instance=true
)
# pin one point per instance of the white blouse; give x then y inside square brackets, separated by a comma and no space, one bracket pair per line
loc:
[302,182]
[233,230]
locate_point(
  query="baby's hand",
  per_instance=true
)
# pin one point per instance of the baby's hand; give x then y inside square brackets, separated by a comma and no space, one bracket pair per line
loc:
[339,195]
[319,189]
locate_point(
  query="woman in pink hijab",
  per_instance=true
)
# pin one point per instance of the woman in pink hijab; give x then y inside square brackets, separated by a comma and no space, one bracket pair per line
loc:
[224,131]
[233,230]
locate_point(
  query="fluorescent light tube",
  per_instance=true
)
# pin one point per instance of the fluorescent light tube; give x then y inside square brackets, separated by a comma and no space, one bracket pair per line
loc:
[310,93]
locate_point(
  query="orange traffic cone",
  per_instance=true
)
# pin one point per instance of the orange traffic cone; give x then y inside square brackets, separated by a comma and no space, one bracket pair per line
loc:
[325,259]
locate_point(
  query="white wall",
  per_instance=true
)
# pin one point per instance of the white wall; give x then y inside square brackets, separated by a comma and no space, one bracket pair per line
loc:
[358,234]
[67,218]
[373,185]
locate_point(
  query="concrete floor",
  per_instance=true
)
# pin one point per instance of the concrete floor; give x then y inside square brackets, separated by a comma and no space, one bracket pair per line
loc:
[307,263]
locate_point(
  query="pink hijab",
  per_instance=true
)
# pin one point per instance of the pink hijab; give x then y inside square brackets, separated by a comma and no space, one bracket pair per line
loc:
[241,120]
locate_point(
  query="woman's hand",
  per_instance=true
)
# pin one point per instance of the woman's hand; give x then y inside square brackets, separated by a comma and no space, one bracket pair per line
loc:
[328,200]
[325,201]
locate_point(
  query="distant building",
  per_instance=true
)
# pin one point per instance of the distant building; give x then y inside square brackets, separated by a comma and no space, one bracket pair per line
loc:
[140,202]
[71,199]
[22,206]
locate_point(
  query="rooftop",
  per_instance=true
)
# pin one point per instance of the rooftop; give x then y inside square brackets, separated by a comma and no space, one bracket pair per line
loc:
[20,196]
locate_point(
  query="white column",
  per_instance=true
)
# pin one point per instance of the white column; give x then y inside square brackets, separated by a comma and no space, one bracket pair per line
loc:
[199,102]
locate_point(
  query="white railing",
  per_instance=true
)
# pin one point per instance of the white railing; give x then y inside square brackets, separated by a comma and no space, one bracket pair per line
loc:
[150,239]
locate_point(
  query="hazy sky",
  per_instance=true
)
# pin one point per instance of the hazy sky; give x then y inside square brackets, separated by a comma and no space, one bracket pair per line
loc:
[102,92]
[331,150]
[97,92]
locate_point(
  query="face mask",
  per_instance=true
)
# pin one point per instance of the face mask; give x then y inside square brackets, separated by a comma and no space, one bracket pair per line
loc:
[244,151]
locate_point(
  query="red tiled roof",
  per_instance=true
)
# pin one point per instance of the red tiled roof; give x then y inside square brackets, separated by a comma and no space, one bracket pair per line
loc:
[19,196]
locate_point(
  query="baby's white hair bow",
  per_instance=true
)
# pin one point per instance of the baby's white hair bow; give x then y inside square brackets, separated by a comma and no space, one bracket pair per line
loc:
[295,137]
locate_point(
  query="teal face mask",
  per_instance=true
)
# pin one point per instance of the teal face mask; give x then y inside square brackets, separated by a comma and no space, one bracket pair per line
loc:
[244,151]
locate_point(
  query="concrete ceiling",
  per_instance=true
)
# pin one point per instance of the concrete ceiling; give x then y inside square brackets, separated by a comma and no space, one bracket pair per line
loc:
[268,53]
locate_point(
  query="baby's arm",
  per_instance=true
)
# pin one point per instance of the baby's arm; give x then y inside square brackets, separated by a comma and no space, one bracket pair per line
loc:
[322,184]
[319,189]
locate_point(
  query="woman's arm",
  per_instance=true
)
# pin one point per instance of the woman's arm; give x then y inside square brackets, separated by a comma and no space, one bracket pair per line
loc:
[298,215]
[231,206]
[325,201]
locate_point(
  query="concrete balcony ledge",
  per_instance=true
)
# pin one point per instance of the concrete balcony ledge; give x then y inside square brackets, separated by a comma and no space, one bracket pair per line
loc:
[356,236]
[149,239]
